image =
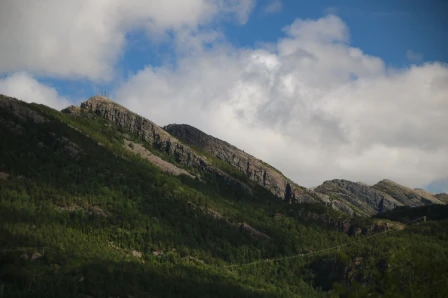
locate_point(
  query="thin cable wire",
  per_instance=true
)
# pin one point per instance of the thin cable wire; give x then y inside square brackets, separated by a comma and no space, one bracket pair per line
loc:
[314,252]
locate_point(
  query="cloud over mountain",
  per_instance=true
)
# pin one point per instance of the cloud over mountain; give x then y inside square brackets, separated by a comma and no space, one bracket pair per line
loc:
[310,104]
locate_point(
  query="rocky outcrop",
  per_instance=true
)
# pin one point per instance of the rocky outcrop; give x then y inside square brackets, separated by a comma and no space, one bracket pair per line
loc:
[155,160]
[255,169]
[362,198]
[442,197]
[253,232]
[72,110]
[406,196]
[158,138]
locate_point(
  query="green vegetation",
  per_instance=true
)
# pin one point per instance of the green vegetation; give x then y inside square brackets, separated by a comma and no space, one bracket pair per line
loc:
[78,209]
[406,214]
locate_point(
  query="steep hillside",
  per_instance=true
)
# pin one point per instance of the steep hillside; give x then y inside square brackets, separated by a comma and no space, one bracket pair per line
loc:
[146,130]
[255,169]
[349,197]
[90,207]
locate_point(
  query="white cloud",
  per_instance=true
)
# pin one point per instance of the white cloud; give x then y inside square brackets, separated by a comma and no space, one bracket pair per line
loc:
[310,104]
[273,6]
[24,87]
[83,38]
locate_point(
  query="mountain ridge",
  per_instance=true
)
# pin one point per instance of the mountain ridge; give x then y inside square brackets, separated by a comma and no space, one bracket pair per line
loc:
[349,197]
[89,209]
[197,153]
[184,141]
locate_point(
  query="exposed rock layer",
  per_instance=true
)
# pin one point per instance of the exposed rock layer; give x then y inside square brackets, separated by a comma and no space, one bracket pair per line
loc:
[253,168]
[362,198]
[406,196]
[151,133]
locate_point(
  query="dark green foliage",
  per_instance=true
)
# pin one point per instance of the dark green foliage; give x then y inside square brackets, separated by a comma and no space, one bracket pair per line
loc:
[80,200]
[406,214]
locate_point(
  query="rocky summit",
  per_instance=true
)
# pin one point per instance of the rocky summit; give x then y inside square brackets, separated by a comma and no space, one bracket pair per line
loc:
[360,197]
[152,134]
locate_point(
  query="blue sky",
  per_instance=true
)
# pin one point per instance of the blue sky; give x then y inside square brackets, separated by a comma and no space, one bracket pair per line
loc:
[320,89]
[382,28]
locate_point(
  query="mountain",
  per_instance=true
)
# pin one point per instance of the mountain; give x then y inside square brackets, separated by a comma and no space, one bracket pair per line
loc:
[346,196]
[405,195]
[365,200]
[255,169]
[442,197]
[147,131]
[97,201]
[201,153]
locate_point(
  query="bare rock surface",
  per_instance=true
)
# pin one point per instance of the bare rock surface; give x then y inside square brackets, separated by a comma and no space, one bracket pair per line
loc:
[254,232]
[255,169]
[155,160]
[364,199]
[158,138]
[405,195]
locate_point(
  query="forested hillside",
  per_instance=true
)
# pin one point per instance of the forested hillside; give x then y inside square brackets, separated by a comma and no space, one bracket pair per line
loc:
[83,214]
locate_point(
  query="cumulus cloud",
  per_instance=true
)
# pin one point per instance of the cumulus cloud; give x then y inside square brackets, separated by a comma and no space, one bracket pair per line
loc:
[24,87]
[309,104]
[83,38]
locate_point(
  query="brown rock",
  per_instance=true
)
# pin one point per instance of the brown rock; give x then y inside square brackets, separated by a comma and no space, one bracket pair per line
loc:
[72,110]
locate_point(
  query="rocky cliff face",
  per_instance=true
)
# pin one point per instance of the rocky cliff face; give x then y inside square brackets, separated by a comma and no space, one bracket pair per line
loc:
[151,133]
[255,169]
[362,198]
[406,196]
